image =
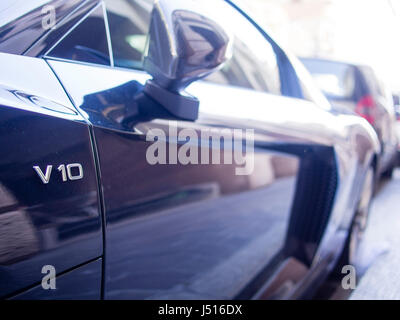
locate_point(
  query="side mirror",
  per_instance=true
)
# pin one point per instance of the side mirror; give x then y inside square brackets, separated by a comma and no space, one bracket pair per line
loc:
[183,46]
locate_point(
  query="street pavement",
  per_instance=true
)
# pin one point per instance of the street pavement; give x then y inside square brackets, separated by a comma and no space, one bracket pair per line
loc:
[379,260]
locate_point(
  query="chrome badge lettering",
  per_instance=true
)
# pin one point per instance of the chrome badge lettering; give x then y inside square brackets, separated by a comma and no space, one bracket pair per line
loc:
[67,172]
[44,177]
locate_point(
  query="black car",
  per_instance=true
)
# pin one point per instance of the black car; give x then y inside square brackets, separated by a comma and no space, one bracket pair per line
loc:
[169,151]
[357,88]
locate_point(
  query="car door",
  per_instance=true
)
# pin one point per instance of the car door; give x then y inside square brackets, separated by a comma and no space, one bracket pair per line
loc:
[49,207]
[194,209]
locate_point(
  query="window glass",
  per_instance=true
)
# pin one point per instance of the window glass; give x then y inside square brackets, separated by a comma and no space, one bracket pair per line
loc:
[309,88]
[87,42]
[254,63]
[335,79]
[128,22]
[375,82]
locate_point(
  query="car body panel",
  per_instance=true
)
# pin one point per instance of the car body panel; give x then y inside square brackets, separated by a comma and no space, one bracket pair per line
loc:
[57,223]
[82,283]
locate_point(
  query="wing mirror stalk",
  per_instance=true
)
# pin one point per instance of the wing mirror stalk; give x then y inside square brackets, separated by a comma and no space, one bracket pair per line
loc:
[178,104]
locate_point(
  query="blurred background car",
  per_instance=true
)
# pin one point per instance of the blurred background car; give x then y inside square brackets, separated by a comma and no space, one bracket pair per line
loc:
[357,88]
[396,101]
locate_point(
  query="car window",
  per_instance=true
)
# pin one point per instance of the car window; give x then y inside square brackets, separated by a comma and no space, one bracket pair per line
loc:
[128,22]
[254,64]
[370,79]
[310,90]
[333,78]
[87,42]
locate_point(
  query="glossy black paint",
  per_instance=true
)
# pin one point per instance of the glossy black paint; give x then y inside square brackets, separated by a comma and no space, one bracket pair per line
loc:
[83,283]
[189,231]
[57,223]
[41,224]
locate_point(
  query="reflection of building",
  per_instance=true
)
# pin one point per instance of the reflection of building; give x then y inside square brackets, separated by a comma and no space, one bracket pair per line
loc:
[17,234]
[360,31]
[312,27]
[304,26]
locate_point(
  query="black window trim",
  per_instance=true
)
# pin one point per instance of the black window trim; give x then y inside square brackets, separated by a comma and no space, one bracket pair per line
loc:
[109,43]
[101,4]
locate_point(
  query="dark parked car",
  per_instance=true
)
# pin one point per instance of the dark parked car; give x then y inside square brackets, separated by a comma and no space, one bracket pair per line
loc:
[396,102]
[357,88]
[87,95]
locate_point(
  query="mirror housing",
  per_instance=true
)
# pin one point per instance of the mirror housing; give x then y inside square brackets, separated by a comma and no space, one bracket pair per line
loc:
[183,46]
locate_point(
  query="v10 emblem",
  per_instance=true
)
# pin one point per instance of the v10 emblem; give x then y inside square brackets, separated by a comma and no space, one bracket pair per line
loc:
[67,172]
